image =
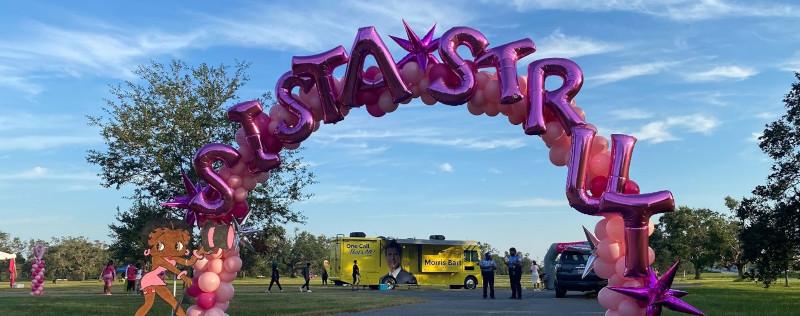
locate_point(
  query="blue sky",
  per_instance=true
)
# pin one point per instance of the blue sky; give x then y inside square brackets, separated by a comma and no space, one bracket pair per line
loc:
[694,81]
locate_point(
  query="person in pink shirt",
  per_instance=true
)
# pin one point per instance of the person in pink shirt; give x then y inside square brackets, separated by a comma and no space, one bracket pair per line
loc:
[108,275]
[130,276]
[168,247]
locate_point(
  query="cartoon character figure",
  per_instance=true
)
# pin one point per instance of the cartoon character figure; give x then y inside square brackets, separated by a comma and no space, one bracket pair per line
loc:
[168,246]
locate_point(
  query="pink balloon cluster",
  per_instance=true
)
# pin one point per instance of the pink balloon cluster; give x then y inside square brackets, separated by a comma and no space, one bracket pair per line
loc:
[212,285]
[610,265]
[37,277]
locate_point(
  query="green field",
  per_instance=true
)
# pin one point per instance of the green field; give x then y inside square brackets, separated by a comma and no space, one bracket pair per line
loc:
[716,295]
[84,298]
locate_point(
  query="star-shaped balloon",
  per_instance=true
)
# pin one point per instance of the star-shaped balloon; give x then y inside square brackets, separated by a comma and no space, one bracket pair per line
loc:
[182,201]
[593,257]
[657,293]
[419,50]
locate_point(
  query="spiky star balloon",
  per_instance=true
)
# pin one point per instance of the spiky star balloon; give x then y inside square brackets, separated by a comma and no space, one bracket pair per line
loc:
[657,293]
[593,257]
[182,201]
[419,50]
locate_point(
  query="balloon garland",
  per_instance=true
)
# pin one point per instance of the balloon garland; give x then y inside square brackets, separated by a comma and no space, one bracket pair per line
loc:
[598,181]
[37,270]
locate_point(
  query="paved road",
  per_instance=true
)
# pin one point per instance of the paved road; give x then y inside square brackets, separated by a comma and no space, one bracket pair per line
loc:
[461,302]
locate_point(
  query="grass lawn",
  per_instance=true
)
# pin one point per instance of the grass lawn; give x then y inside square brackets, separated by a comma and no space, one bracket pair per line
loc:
[84,298]
[717,294]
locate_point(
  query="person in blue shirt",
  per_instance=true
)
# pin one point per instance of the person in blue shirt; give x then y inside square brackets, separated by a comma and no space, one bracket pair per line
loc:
[487,272]
[514,263]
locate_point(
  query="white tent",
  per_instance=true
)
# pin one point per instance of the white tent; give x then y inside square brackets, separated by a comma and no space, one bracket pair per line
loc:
[6,256]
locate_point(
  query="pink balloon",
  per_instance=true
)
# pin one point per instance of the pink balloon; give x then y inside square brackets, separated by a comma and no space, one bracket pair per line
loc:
[615,228]
[224,292]
[239,168]
[208,282]
[630,308]
[651,228]
[603,269]
[612,312]
[616,280]
[609,250]
[249,182]
[214,266]
[559,154]
[492,91]
[553,133]
[491,109]
[206,300]
[619,267]
[473,108]
[386,104]
[600,163]
[235,181]
[194,310]
[600,229]
[428,99]
[193,290]
[232,264]
[214,312]
[651,255]
[599,144]
[222,305]
[632,283]
[609,299]
[227,276]
[240,195]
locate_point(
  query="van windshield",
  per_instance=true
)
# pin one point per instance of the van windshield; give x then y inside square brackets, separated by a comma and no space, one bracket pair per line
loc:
[574,258]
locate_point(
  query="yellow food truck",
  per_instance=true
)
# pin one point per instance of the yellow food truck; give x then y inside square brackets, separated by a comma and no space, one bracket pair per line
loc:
[391,262]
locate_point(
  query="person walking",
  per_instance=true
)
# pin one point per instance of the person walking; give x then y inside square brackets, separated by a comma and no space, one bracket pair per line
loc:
[324,273]
[130,277]
[307,277]
[487,272]
[274,277]
[535,275]
[514,263]
[356,275]
[139,274]
[108,275]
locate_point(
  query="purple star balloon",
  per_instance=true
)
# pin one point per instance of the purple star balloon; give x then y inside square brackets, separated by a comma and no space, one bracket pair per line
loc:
[657,293]
[182,201]
[419,50]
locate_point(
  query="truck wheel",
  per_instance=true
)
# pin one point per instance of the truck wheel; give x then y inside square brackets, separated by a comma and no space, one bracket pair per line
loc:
[389,281]
[470,283]
[560,292]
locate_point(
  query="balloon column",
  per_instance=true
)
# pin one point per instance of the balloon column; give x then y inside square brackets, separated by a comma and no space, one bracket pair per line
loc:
[310,95]
[37,270]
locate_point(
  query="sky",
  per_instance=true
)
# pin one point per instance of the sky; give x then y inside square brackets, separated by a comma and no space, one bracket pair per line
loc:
[694,81]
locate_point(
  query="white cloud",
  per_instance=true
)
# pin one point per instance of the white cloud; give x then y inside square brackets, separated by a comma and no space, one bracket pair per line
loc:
[422,136]
[536,202]
[766,115]
[720,73]
[96,49]
[631,71]
[495,171]
[792,64]
[446,167]
[754,137]
[631,114]
[680,10]
[42,173]
[286,27]
[340,194]
[559,45]
[662,131]
[43,142]
[38,121]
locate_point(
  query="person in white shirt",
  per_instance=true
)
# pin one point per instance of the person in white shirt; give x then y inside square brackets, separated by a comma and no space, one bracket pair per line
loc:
[535,275]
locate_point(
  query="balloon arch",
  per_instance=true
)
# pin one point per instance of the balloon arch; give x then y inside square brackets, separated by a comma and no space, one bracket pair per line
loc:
[598,182]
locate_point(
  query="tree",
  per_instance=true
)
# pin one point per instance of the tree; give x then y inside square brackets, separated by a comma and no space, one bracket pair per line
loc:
[699,236]
[771,217]
[75,256]
[735,254]
[153,127]
[304,247]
